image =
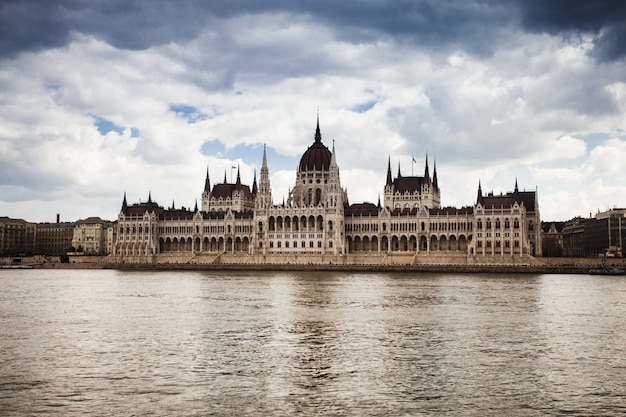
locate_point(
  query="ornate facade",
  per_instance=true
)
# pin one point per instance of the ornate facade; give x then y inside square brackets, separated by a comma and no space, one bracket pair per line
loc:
[317,222]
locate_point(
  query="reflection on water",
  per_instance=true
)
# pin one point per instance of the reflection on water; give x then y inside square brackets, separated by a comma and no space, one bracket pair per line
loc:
[198,343]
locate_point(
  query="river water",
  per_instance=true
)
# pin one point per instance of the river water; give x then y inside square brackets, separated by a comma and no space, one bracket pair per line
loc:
[103,342]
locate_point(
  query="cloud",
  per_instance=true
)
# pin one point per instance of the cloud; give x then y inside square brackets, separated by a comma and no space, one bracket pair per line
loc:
[104,97]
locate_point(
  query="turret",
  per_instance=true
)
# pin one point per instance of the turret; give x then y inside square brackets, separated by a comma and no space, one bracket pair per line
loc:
[207,181]
[254,186]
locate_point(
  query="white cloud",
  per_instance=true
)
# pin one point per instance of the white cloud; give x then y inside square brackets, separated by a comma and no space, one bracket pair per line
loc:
[523,112]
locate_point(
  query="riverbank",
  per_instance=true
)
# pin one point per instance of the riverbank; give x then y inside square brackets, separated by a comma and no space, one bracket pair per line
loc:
[509,269]
[537,266]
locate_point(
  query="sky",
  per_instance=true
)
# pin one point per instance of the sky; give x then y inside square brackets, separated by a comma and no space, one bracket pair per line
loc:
[102,97]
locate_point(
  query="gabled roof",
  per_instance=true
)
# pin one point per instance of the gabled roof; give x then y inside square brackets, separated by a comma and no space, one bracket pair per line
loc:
[140,209]
[362,209]
[227,190]
[506,201]
[410,184]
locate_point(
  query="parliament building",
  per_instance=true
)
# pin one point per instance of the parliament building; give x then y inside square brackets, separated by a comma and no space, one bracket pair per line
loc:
[237,223]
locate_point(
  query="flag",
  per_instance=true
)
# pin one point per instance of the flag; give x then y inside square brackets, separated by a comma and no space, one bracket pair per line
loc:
[233,167]
[413,159]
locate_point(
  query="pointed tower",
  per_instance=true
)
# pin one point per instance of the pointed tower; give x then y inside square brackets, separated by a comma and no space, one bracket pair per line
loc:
[254,186]
[318,133]
[479,196]
[389,179]
[263,198]
[435,183]
[334,195]
[124,204]
[426,171]
[149,197]
[206,194]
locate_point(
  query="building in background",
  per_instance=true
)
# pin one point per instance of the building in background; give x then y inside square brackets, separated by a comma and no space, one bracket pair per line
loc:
[605,234]
[552,238]
[90,236]
[17,237]
[54,239]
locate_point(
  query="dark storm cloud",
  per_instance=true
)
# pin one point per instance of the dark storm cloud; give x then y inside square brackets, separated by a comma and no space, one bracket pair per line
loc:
[605,19]
[474,26]
[38,24]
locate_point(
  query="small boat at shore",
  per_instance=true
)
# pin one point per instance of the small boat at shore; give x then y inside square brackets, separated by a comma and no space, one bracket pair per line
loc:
[603,269]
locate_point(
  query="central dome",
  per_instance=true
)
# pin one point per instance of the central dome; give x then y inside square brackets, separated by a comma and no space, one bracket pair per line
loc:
[317,157]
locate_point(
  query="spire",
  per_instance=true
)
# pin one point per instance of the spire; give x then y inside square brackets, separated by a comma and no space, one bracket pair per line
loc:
[195,209]
[399,174]
[333,159]
[238,182]
[479,197]
[207,181]
[318,134]
[389,180]
[516,190]
[264,164]
[124,204]
[173,206]
[379,206]
[435,174]
[254,187]
[426,174]
[225,177]
[149,197]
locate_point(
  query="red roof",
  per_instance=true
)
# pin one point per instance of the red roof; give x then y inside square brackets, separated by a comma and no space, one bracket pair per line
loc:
[362,209]
[506,201]
[410,184]
[227,190]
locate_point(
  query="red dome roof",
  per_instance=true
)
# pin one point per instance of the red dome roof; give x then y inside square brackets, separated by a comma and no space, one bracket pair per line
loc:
[317,157]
